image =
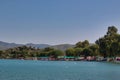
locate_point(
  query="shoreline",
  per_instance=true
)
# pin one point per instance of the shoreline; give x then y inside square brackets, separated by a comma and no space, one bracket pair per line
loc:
[117,62]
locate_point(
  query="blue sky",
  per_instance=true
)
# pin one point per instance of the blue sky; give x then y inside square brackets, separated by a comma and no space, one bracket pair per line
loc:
[56,21]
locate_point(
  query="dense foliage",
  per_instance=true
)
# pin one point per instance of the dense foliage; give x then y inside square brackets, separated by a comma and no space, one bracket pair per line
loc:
[109,45]
[26,52]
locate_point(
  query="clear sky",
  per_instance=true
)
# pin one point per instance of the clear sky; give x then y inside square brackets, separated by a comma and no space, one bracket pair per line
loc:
[56,21]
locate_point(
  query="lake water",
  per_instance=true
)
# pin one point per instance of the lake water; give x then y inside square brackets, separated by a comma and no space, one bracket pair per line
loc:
[58,70]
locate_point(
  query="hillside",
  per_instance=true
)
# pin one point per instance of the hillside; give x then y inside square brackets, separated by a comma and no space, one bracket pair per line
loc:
[6,45]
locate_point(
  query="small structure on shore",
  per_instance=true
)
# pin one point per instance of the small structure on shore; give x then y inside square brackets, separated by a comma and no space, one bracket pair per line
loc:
[43,58]
[117,58]
[69,58]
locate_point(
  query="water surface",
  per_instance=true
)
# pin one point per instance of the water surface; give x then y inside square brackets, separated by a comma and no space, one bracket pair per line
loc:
[58,70]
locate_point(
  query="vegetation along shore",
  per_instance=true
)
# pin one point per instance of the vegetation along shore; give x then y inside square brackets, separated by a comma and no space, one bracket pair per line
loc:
[106,48]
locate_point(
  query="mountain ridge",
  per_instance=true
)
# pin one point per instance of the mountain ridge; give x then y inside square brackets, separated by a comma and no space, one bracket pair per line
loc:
[6,45]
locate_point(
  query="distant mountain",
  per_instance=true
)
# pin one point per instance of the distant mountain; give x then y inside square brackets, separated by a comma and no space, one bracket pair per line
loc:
[38,45]
[5,45]
[63,47]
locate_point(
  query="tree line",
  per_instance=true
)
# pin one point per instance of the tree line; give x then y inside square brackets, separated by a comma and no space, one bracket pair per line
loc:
[106,46]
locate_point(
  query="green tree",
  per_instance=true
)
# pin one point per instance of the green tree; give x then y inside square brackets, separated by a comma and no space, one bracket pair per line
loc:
[112,30]
[87,52]
[1,54]
[82,44]
[108,43]
[48,49]
[78,52]
[95,49]
[70,52]
[56,53]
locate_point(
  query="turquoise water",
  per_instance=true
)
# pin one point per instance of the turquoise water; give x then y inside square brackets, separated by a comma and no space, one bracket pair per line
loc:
[58,70]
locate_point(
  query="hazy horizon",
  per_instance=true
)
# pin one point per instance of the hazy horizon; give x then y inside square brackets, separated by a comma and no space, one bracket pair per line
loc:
[56,21]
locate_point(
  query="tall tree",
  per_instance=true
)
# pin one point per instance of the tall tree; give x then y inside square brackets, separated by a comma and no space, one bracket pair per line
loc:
[87,52]
[108,43]
[112,30]
[82,44]
[78,52]
[70,52]
[95,49]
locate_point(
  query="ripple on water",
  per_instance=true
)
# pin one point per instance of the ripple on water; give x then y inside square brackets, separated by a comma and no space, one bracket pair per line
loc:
[57,70]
